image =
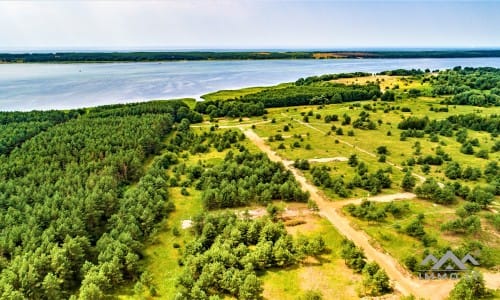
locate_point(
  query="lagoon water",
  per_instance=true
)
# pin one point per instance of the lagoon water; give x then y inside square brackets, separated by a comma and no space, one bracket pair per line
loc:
[62,86]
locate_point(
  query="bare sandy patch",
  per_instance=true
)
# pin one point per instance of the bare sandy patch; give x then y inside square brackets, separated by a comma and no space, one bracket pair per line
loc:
[185,224]
[327,159]
[252,213]
[310,224]
[327,55]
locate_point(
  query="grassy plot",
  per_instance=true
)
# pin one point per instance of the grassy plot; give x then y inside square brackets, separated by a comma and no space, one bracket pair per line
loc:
[231,94]
[295,140]
[329,275]
[385,81]
[324,140]
[191,102]
[236,93]
[161,256]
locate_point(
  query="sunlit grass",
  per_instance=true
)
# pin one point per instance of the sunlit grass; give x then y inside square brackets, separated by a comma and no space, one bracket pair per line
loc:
[329,275]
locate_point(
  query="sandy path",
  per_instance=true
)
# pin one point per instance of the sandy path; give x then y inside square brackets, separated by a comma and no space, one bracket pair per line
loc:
[229,126]
[403,281]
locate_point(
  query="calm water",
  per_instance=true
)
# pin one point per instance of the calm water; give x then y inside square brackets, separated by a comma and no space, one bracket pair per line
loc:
[60,86]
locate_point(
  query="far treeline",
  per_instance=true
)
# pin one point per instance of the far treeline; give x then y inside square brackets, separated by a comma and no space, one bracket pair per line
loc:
[233,55]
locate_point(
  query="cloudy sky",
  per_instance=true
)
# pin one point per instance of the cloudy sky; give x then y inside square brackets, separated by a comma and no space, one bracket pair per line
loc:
[252,24]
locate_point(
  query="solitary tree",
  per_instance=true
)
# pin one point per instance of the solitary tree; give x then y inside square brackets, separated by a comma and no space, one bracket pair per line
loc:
[353,160]
[408,182]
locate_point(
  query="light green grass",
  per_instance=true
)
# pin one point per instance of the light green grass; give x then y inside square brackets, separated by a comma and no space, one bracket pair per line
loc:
[191,102]
[236,93]
[323,145]
[160,256]
[231,94]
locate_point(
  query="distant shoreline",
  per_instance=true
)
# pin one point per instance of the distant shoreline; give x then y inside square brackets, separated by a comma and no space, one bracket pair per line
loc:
[112,57]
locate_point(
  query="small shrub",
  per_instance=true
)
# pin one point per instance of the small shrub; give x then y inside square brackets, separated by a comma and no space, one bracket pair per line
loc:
[175,231]
[312,205]
[311,295]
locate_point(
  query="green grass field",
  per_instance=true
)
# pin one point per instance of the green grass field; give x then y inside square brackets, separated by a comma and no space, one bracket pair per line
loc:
[231,94]
[324,141]
[329,275]
[236,93]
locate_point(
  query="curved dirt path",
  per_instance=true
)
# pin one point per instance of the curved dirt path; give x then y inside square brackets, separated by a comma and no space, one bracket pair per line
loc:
[403,281]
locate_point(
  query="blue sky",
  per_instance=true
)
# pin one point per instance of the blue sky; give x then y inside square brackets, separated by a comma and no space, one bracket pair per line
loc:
[252,24]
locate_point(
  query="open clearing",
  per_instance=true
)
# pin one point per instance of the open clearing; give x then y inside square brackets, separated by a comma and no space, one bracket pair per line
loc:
[330,275]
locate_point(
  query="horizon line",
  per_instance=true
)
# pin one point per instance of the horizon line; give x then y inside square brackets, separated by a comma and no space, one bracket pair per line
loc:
[18,50]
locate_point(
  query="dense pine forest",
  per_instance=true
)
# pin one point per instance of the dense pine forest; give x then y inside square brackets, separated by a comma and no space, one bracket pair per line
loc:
[69,218]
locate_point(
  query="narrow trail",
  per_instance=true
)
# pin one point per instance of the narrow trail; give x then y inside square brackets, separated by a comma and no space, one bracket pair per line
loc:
[404,282]
[230,126]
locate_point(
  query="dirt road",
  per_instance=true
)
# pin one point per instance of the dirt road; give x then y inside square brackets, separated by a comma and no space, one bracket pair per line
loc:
[240,125]
[403,281]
